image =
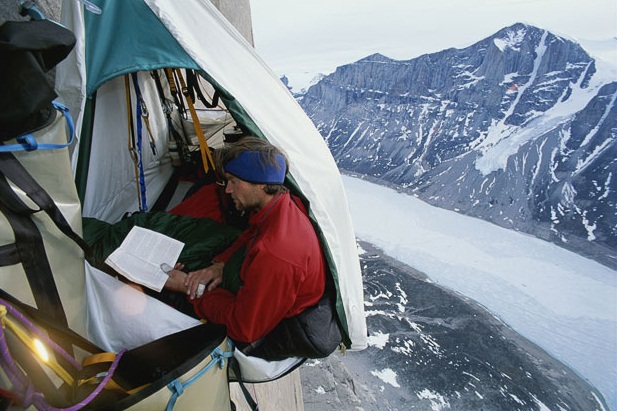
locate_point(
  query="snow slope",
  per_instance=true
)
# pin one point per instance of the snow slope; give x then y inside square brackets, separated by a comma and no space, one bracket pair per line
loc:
[563,302]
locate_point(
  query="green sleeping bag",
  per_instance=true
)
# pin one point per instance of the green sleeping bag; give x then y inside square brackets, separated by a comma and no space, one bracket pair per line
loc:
[204,238]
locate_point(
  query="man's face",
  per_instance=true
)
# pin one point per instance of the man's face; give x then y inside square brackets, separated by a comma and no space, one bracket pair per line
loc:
[246,196]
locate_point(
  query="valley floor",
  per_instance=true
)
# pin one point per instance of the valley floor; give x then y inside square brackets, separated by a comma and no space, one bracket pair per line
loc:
[558,300]
[432,349]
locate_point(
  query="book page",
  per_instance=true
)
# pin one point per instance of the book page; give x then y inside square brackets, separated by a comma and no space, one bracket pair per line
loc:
[141,254]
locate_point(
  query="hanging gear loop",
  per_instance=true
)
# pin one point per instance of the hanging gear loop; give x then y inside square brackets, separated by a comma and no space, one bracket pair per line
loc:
[168,106]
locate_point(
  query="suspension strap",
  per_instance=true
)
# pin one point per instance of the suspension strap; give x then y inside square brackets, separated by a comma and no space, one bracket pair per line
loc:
[27,142]
[12,169]
[206,156]
[29,249]
[177,388]
[235,367]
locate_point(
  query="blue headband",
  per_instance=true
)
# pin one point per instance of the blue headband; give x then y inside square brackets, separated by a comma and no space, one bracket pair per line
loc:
[251,166]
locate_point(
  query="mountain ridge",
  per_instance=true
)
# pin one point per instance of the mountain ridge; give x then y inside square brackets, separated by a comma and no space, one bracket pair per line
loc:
[518,129]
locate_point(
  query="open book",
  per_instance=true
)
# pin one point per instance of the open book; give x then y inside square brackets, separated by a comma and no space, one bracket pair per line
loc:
[141,254]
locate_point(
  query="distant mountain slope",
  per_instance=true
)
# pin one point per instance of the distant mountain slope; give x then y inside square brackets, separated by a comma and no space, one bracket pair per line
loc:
[519,129]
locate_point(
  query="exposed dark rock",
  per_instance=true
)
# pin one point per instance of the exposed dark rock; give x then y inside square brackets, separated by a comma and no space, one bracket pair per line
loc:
[443,351]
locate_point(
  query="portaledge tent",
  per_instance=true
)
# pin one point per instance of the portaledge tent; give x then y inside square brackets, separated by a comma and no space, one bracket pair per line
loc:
[143,35]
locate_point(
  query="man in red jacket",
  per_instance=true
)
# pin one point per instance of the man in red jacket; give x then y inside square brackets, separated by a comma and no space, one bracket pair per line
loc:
[283,271]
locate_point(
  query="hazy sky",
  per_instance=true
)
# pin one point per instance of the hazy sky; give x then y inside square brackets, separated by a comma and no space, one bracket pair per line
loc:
[304,37]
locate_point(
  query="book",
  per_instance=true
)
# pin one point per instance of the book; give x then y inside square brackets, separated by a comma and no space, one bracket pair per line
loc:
[141,254]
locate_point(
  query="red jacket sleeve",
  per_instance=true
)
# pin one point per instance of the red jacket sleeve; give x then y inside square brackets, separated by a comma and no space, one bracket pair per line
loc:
[268,293]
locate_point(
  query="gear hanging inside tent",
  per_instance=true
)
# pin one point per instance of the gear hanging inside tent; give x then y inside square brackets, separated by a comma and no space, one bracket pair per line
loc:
[167,106]
[192,82]
[206,155]
[143,109]
[174,91]
[134,147]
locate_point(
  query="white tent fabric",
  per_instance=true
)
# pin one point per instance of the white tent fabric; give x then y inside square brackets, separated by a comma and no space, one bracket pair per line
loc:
[112,188]
[135,317]
[224,54]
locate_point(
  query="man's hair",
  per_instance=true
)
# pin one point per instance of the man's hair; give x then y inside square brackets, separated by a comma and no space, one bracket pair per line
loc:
[250,143]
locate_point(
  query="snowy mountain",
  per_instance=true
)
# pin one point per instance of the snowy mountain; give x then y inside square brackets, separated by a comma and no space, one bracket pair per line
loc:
[519,129]
[298,94]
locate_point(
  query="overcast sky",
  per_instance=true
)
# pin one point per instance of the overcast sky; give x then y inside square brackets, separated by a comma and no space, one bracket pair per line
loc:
[304,37]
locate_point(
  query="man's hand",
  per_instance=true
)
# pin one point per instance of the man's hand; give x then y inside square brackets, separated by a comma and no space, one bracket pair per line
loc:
[177,279]
[210,276]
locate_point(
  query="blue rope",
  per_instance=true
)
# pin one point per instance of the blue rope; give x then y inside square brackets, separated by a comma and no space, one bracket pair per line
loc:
[177,388]
[27,142]
[140,165]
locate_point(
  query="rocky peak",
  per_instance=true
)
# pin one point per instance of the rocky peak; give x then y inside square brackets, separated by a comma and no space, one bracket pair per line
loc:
[518,129]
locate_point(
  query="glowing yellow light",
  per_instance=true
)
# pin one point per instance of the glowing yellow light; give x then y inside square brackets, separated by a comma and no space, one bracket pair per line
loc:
[41,350]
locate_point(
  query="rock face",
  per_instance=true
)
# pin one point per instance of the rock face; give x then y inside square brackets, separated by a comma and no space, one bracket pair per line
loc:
[431,349]
[519,129]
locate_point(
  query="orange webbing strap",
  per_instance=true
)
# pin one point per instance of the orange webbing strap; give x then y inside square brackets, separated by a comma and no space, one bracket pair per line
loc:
[104,358]
[206,156]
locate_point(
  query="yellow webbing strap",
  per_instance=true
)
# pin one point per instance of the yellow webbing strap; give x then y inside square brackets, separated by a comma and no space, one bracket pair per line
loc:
[99,358]
[206,156]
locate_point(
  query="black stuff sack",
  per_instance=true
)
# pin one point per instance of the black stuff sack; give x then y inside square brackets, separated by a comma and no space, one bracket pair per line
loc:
[28,51]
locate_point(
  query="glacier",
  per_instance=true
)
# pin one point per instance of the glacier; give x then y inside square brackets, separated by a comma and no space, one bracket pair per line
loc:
[563,302]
